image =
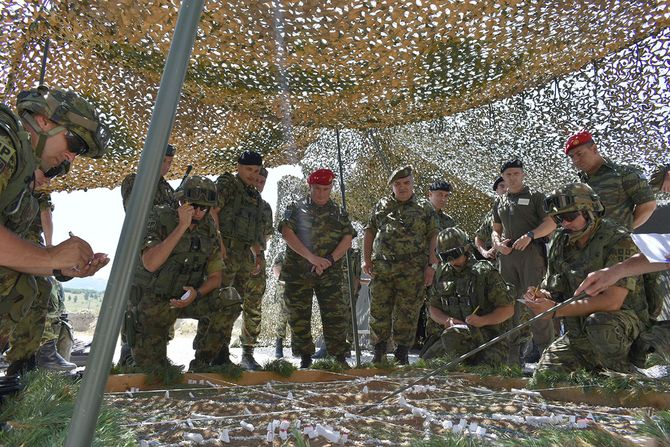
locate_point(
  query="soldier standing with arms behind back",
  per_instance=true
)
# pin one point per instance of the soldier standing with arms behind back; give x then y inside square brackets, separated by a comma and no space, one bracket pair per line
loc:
[318,234]
[399,254]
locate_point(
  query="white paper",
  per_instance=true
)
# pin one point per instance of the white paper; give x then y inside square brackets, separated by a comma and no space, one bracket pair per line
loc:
[461,326]
[656,247]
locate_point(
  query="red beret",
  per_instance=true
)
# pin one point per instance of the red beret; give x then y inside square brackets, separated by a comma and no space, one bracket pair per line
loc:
[321,177]
[578,139]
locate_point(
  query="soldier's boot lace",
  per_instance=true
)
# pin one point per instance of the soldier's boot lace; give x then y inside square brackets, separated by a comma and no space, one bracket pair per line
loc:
[305,361]
[279,348]
[48,358]
[380,353]
[248,361]
[222,358]
[342,360]
[402,354]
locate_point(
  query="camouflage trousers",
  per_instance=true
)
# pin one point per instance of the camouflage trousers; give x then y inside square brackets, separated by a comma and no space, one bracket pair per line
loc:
[155,317]
[26,335]
[15,304]
[252,308]
[54,322]
[524,269]
[282,319]
[298,292]
[456,342]
[397,294]
[237,274]
[603,342]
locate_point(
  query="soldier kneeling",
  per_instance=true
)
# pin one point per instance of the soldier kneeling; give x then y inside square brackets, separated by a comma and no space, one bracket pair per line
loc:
[470,300]
[179,277]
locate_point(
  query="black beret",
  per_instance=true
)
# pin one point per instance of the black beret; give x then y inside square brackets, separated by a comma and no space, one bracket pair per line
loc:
[170,151]
[497,182]
[440,185]
[514,163]
[250,158]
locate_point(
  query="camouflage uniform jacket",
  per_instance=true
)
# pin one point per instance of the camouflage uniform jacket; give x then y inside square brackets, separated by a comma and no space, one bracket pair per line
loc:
[568,266]
[164,192]
[196,255]
[620,189]
[458,293]
[486,229]
[35,232]
[241,218]
[444,221]
[267,228]
[319,228]
[403,229]
[18,207]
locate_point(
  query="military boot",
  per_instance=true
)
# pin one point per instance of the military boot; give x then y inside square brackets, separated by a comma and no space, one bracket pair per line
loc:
[48,358]
[380,353]
[342,360]
[126,356]
[222,358]
[305,361]
[248,361]
[21,367]
[402,354]
[279,348]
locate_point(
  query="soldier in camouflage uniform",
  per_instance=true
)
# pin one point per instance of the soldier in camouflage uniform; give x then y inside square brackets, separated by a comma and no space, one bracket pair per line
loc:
[179,276]
[519,227]
[660,178]
[164,196]
[282,315]
[51,129]
[318,234]
[483,241]
[623,191]
[240,218]
[599,329]
[470,300]
[399,254]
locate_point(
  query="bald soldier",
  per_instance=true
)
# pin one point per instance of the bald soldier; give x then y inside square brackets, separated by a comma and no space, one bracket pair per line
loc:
[623,191]
[318,234]
[399,253]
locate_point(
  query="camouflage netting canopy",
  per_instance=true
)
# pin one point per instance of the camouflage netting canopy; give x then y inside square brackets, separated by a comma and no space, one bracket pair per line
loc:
[450,86]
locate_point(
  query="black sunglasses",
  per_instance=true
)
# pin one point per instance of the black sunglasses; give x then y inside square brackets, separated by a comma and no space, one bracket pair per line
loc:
[197,206]
[75,143]
[566,217]
[452,254]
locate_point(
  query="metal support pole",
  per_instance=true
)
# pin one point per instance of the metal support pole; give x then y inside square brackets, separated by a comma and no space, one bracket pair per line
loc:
[87,407]
[493,341]
[45,57]
[347,259]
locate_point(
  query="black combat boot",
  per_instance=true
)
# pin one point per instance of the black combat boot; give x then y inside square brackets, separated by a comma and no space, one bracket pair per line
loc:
[380,353]
[21,367]
[222,358]
[248,361]
[48,358]
[126,356]
[305,361]
[342,360]
[279,348]
[402,354]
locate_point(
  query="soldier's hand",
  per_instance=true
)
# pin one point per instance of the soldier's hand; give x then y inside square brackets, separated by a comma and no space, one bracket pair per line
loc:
[596,282]
[185,213]
[99,261]
[368,268]
[503,248]
[521,243]
[490,253]
[475,320]
[538,301]
[452,322]
[185,300]
[71,254]
[320,263]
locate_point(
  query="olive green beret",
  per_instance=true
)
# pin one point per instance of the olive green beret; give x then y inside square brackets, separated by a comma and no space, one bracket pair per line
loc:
[405,171]
[656,180]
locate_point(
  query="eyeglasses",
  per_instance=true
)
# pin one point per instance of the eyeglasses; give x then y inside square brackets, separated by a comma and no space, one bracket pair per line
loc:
[452,254]
[566,217]
[197,206]
[75,143]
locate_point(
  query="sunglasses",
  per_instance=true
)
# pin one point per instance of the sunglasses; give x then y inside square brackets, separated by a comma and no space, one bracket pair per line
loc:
[75,143]
[197,206]
[452,254]
[566,217]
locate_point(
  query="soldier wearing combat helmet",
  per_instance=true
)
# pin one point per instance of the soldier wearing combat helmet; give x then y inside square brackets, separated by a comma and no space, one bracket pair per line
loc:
[179,276]
[469,300]
[317,234]
[599,329]
[51,128]
[399,254]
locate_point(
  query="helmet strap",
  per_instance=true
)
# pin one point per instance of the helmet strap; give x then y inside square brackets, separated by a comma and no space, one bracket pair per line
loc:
[43,136]
[591,223]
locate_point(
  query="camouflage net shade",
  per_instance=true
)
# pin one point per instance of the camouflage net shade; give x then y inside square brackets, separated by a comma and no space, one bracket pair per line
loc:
[453,87]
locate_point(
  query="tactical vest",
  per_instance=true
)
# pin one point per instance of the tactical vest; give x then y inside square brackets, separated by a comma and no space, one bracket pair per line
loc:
[241,220]
[458,295]
[186,265]
[18,208]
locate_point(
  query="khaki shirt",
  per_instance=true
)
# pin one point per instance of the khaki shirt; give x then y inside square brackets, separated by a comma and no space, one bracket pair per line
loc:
[519,212]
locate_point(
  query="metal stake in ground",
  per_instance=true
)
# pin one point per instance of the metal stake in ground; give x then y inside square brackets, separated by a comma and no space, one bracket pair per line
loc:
[493,341]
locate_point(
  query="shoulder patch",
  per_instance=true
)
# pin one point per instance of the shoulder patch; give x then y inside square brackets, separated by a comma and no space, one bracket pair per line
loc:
[7,152]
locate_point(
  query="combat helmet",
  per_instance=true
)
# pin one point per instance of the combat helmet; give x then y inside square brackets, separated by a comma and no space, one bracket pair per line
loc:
[574,198]
[452,243]
[197,190]
[71,112]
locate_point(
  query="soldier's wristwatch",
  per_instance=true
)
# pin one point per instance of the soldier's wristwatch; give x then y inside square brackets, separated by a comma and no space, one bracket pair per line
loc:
[434,266]
[531,235]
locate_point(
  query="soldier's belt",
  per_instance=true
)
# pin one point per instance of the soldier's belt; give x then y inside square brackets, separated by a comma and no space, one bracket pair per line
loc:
[416,256]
